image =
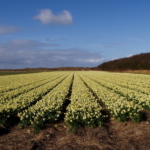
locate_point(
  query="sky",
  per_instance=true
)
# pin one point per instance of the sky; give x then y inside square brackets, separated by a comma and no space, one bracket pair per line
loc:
[71,33]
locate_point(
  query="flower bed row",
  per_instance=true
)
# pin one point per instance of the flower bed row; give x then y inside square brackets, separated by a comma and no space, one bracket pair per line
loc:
[83,109]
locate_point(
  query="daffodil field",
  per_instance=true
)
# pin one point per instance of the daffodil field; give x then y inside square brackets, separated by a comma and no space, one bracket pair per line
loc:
[79,98]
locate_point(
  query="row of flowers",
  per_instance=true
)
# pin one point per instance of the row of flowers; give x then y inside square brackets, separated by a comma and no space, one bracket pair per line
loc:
[83,109]
[49,108]
[14,106]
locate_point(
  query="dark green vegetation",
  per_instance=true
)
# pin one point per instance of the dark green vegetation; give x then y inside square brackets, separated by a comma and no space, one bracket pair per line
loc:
[135,62]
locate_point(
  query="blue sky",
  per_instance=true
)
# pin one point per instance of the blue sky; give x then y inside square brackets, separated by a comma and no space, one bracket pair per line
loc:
[71,33]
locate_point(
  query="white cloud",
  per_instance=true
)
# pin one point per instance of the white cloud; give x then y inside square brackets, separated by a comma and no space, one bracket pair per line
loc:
[47,17]
[58,58]
[129,55]
[114,59]
[8,30]
[112,45]
[92,60]
[95,60]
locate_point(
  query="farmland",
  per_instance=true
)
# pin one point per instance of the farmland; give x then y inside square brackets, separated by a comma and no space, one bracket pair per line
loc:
[88,99]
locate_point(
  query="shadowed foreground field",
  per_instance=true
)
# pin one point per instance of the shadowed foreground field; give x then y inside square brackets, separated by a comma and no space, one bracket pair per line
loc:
[112,135]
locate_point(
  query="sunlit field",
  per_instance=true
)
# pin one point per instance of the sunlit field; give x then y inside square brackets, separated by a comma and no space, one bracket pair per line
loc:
[79,98]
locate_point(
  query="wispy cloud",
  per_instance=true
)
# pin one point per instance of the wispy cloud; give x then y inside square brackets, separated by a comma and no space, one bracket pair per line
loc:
[47,17]
[51,40]
[57,39]
[21,54]
[134,39]
[25,45]
[96,45]
[114,59]
[94,60]
[112,45]
[106,45]
[8,30]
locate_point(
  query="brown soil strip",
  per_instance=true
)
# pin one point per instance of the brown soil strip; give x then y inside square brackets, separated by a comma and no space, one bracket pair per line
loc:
[120,136]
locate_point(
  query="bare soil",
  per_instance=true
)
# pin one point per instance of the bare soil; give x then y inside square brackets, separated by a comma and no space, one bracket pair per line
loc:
[113,135]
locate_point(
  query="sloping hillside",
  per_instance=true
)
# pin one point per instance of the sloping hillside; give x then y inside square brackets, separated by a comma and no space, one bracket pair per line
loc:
[135,62]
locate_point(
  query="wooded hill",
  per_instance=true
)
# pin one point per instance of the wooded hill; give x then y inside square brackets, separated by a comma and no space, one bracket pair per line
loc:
[135,62]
